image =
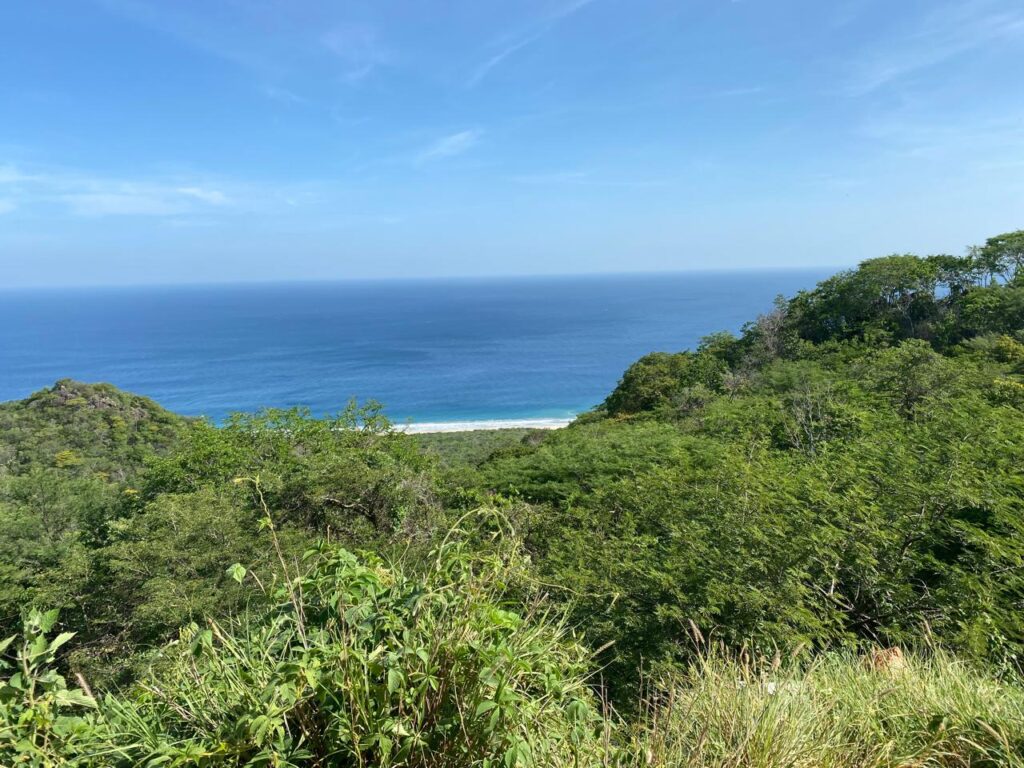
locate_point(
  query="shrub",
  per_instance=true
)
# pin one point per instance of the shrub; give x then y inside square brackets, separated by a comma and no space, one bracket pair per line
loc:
[365,664]
[1008,392]
[66,458]
[362,663]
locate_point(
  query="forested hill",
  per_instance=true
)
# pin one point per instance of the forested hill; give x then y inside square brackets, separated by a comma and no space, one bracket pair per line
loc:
[86,427]
[848,469]
[844,474]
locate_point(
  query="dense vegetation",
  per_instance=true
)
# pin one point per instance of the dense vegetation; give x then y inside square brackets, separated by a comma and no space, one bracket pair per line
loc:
[461,449]
[841,476]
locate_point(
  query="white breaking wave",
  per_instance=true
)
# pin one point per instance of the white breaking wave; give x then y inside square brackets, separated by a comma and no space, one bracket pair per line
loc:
[414,428]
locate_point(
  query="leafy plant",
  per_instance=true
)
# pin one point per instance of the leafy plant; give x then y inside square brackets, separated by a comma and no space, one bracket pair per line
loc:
[43,722]
[362,663]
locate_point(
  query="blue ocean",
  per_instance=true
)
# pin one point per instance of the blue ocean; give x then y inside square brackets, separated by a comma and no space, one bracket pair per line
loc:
[430,350]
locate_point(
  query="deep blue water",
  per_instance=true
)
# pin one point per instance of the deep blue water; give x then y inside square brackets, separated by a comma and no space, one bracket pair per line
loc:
[429,350]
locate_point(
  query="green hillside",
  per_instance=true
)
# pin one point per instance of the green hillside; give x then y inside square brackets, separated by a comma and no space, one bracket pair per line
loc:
[701,572]
[84,429]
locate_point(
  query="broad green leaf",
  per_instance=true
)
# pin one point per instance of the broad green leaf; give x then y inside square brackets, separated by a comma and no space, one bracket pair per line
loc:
[60,639]
[48,619]
[237,572]
[74,697]
[484,707]
[395,679]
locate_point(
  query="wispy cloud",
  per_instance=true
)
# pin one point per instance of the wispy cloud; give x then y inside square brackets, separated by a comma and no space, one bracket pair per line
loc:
[11,175]
[359,49]
[951,30]
[283,95]
[251,36]
[550,178]
[584,179]
[139,203]
[202,26]
[484,69]
[842,13]
[95,196]
[743,90]
[211,196]
[449,146]
[972,136]
[508,46]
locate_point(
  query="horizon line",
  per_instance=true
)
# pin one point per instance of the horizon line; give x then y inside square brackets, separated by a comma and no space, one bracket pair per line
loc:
[416,278]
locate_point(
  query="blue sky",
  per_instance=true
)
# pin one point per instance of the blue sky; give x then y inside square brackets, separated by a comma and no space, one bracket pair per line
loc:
[220,140]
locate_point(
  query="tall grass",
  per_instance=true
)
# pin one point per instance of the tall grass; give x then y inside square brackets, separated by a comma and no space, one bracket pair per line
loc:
[833,712]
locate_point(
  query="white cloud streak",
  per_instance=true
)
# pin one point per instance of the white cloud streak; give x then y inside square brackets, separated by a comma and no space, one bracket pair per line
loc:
[209,32]
[950,31]
[11,175]
[283,95]
[509,47]
[250,36]
[585,179]
[359,49]
[93,196]
[450,146]
[551,178]
[974,136]
[484,69]
[141,203]
[211,196]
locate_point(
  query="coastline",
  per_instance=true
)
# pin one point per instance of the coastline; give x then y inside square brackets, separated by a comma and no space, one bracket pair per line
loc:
[430,427]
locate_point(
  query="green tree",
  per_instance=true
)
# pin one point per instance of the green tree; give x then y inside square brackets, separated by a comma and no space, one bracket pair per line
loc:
[661,381]
[1002,256]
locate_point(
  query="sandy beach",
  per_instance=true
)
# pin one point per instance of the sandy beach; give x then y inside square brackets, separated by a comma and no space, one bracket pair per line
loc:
[414,428]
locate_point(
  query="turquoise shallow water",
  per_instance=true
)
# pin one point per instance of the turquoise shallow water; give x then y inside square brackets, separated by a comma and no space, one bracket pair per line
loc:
[430,351]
